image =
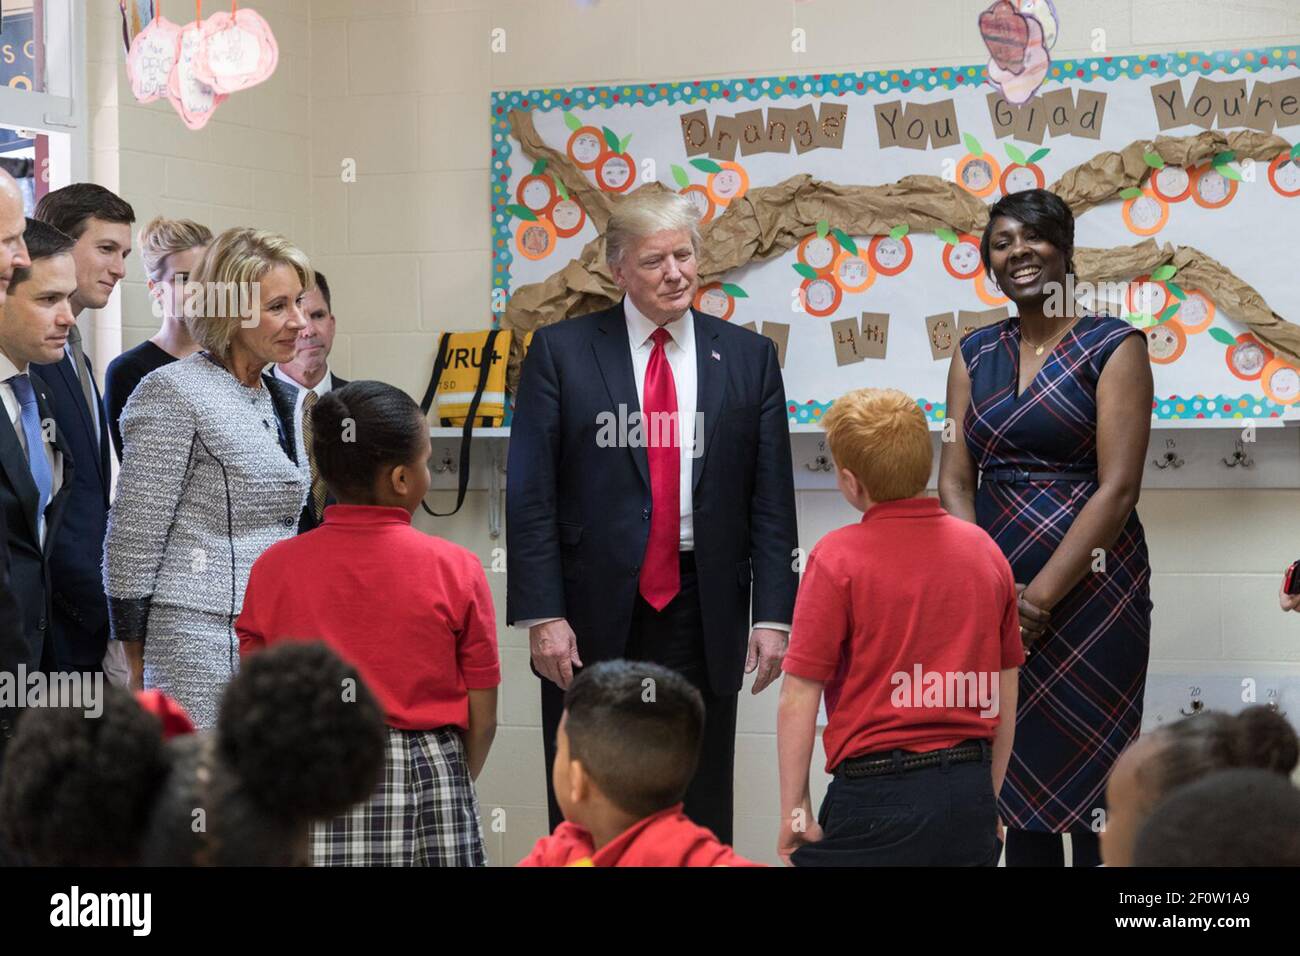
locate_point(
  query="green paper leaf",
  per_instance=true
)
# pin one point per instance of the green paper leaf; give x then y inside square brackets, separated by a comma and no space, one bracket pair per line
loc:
[539,167]
[823,227]
[1139,321]
[1164,272]
[846,242]
[805,270]
[735,291]
[622,143]
[706,165]
[1222,336]
[1168,313]
[523,212]
[679,175]
[611,140]
[898,232]
[947,235]
[1038,154]
[1154,161]
[1295,151]
[1176,290]
[1131,193]
[559,188]
[572,121]
[1227,172]
[972,144]
[1227,156]
[1016,155]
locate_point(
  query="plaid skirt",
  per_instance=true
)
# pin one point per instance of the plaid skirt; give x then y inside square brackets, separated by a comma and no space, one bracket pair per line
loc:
[424,813]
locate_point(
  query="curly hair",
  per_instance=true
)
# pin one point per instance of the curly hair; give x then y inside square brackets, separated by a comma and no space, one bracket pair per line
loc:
[78,790]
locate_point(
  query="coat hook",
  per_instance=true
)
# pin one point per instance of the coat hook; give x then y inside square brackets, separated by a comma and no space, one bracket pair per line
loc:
[447,465]
[1197,706]
[820,463]
[1169,460]
[1239,457]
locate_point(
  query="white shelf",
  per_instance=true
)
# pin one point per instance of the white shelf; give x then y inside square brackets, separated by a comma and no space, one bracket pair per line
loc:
[479,432]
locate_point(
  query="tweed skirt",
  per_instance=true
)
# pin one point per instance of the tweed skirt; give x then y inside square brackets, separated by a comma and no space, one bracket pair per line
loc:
[190,656]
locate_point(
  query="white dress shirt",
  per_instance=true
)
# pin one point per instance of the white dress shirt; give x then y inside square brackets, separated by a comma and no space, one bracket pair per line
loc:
[326,384]
[680,353]
[15,411]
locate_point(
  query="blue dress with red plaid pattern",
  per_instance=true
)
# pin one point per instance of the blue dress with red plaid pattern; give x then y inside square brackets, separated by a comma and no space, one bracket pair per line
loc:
[1081,688]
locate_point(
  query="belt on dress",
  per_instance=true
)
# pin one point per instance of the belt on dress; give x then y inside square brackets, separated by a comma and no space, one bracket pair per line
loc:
[1018,476]
[877,765]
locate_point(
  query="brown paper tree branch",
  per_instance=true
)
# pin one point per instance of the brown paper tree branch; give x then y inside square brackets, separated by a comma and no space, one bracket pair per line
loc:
[769,220]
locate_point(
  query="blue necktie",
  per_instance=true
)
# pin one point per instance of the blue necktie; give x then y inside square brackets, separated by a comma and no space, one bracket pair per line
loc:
[37,461]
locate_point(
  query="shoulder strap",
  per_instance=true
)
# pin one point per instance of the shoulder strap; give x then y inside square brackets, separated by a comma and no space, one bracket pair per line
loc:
[467,431]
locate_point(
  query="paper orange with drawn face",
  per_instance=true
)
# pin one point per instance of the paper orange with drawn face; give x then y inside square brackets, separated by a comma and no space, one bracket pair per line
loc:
[817,251]
[1017,178]
[1145,215]
[890,256]
[1247,357]
[699,197]
[568,217]
[1195,313]
[853,272]
[534,238]
[978,175]
[586,146]
[1211,189]
[1280,382]
[1165,342]
[962,260]
[989,294]
[614,171]
[1284,175]
[1171,183]
[712,299]
[821,296]
[536,193]
[729,183]
[1146,297]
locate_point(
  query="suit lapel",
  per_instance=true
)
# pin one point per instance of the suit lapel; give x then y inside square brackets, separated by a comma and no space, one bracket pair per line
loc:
[711,376]
[614,359]
[14,463]
[68,375]
[62,459]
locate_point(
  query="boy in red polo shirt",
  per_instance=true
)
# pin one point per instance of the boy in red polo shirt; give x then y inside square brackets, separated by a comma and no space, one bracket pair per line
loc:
[626,749]
[907,622]
[411,612]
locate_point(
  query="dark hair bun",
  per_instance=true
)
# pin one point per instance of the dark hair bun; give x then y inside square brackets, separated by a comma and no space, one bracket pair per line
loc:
[77,790]
[1261,737]
[302,731]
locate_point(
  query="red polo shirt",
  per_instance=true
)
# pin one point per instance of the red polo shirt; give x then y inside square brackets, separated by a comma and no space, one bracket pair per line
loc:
[907,617]
[411,612]
[666,838]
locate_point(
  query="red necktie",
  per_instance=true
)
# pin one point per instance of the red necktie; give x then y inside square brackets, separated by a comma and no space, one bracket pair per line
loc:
[660,572]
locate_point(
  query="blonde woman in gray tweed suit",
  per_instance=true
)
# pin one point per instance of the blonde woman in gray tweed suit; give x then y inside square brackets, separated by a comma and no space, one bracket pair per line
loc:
[208,481]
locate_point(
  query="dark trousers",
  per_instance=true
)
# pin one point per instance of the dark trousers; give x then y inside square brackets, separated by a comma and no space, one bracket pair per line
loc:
[673,637]
[930,816]
[1032,848]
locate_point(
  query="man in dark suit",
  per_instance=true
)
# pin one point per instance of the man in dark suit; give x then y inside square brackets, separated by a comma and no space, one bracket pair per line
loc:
[99,223]
[650,501]
[36,467]
[295,386]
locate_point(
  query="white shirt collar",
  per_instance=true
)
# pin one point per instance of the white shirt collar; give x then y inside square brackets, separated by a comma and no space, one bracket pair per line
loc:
[7,368]
[640,328]
[326,384]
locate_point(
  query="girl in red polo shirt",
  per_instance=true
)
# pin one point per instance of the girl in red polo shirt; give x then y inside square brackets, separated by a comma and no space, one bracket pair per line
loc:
[411,612]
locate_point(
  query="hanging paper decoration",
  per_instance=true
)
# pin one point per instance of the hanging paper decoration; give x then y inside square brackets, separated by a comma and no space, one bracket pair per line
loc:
[199,65]
[1018,34]
[193,99]
[152,56]
[238,51]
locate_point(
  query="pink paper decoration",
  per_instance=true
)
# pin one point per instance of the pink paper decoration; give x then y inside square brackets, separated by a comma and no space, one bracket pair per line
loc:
[150,60]
[193,99]
[238,51]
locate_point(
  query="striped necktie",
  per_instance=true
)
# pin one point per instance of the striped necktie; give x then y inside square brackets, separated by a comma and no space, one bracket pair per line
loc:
[317,482]
[37,461]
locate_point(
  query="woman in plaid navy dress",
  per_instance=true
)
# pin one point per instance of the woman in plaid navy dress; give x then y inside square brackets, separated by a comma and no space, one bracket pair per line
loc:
[1055,406]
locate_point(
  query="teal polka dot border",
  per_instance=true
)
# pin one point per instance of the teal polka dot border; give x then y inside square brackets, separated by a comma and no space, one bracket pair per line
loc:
[1173,408]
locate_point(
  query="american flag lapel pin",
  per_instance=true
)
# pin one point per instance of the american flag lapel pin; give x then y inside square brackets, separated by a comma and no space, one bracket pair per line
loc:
[715,356]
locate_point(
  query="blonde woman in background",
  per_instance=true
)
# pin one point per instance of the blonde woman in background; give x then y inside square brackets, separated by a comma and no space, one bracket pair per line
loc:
[171,250]
[208,478]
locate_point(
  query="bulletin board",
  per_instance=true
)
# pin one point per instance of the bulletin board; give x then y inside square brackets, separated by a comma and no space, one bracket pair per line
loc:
[841,213]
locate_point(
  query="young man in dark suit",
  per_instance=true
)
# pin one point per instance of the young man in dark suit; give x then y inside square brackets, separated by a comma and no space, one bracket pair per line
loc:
[99,223]
[296,385]
[36,466]
[650,505]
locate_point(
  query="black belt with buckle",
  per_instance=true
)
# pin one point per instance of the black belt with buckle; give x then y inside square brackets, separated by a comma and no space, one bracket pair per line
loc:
[877,765]
[1018,476]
